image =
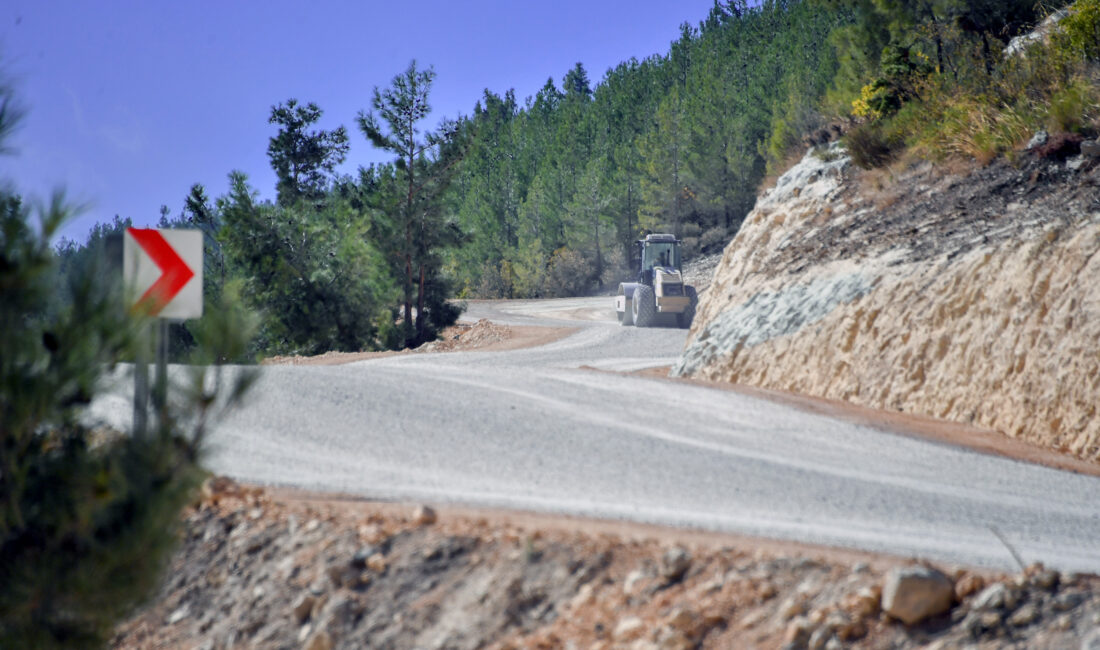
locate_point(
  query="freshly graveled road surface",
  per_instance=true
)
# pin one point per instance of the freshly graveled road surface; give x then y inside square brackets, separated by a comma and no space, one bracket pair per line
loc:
[545,429]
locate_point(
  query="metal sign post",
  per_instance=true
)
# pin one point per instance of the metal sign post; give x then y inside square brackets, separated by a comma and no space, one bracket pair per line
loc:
[141,383]
[160,385]
[163,269]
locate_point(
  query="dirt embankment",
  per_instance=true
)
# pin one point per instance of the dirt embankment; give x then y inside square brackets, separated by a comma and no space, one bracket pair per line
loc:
[969,296]
[483,335]
[290,570]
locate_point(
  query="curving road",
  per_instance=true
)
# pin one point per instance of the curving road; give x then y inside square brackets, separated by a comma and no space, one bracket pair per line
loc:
[545,429]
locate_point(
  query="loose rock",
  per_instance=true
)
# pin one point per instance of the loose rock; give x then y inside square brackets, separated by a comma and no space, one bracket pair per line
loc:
[303,607]
[913,594]
[629,629]
[995,597]
[320,641]
[424,516]
[675,563]
[377,563]
[968,584]
[1024,616]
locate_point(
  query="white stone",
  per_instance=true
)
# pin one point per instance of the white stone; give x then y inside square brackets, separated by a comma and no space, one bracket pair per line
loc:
[181,613]
[913,594]
[629,629]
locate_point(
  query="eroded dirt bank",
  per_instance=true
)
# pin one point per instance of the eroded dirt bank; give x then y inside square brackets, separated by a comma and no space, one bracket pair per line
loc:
[483,336]
[291,570]
[968,296]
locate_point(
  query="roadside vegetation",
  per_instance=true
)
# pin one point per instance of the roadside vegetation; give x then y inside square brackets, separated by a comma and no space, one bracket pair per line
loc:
[88,514]
[939,79]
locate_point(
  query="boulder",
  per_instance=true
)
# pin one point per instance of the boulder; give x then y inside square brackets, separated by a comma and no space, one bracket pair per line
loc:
[1038,140]
[359,560]
[179,614]
[1090,148]
[583,598]
[994,597]
[798,631]
[913,594]
[669,638]
[424,516]
[675,563]
[968,584]
[864,603]
[1024,616]
[320,641]
[303,607]
[377,563]
[633,581]
[684,620]
[629,629]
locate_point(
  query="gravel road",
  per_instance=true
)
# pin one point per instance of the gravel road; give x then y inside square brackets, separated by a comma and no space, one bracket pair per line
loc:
[546,429]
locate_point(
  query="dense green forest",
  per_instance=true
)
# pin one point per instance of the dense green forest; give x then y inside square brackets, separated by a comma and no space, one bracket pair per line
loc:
[541,197]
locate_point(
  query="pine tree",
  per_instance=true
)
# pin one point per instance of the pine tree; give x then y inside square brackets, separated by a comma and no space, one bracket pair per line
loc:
[425,164]
[303,160]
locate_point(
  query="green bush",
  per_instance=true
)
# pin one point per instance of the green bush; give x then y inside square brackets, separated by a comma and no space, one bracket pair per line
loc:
[310,269]
[1073,106]
[1082,29]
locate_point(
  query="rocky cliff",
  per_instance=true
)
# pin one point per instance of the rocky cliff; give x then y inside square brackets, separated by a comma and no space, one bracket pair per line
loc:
[970,294]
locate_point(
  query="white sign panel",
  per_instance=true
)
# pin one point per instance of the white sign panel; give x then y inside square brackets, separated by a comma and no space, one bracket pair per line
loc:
[163,271]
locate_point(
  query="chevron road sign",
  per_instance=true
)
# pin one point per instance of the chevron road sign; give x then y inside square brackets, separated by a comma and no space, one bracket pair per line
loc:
[163,270]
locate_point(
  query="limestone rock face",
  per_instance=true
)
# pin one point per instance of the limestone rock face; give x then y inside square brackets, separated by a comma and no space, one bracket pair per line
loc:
[968,297]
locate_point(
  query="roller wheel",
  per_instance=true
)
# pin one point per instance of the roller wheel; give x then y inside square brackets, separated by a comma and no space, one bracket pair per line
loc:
[644,307]
[684,319]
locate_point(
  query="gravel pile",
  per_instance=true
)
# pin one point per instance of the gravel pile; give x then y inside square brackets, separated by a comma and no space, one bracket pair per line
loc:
[700,271]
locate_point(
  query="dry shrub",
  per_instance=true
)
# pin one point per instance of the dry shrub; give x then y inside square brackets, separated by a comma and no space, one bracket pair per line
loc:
[714,239]
[973,127]
[496,281]
[871,146]
[571,273]
[616,268]
[1061,146]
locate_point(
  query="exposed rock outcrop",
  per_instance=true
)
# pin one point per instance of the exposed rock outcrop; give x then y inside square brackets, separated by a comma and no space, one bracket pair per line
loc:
[966,296]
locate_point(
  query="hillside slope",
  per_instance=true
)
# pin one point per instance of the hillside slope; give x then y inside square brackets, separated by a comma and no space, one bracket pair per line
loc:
[970,296]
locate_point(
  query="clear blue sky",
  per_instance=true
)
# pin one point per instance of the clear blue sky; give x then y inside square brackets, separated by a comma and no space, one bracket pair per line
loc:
[132,102]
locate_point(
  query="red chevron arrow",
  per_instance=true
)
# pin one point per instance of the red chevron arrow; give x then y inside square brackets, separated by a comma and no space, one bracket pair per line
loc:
[174,271]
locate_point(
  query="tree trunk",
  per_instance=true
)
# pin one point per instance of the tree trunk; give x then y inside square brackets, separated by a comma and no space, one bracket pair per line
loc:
[599,256]
[987,55]
[407,328]
[420,308]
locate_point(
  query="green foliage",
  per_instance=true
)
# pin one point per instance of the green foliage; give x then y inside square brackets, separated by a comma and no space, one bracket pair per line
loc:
[676,143]
[303,160]
[1074,107]
[309,269]
[942,85]
[408,201]
[1082,29]
[87,514]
